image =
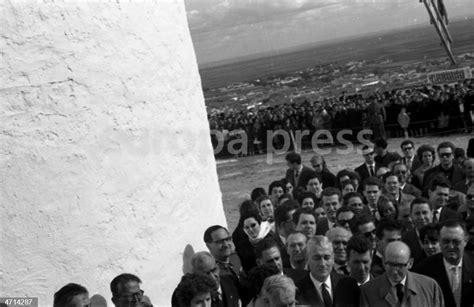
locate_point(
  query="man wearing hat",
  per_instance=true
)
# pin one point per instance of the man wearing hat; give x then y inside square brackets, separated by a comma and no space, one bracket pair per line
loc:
[369,167]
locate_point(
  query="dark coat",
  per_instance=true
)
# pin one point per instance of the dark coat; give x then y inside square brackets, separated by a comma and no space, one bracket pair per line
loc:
[434,267]
[413,241]
[363,171]
[456,176]
[345,291]
[303,178]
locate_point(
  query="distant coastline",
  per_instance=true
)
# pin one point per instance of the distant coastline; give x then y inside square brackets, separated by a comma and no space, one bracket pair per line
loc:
[409,43]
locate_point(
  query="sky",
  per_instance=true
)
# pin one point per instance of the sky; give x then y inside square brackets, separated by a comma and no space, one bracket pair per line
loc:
[226,29]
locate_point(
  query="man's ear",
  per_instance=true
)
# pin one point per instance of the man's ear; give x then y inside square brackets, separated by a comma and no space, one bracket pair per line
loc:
[410,263]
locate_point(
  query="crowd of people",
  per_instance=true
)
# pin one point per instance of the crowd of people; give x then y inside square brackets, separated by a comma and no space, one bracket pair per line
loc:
[398,230]
[403,112]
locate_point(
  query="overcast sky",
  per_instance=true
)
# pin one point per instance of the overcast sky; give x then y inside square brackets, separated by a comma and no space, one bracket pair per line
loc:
[224,29]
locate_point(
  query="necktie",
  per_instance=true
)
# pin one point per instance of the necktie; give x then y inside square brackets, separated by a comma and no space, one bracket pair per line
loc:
[455,285]
[372,173]
[326,296]
[297,175]
[399,292]
[435,216]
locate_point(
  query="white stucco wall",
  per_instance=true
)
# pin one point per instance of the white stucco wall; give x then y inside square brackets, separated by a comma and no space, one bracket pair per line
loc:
[105,160]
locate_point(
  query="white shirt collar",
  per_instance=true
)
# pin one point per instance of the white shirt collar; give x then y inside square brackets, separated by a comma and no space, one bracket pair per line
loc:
[448,265]
[365,281]
[317,284]
[403,282]
[282,238]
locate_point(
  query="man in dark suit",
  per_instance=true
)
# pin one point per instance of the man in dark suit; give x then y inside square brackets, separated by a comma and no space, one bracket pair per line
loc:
[446,167]
[453,268]
[387,231]
[439,192]
[284,225]
[297,173]
[359,253]
[384,157]
[220,245]
[322,286]
[410,159]
[228,290]
[377,118]
[369,167]
[401,170]
[421,215]
[332,201]
[319,165]
[399,287]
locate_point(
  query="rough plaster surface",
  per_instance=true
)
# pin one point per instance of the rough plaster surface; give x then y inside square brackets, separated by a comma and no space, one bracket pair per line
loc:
[106,165]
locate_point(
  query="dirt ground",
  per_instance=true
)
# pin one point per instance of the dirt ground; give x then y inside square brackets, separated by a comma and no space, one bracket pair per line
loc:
[237,177]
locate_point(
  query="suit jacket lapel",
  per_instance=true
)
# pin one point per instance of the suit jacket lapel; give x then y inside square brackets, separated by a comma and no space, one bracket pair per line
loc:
[386,292]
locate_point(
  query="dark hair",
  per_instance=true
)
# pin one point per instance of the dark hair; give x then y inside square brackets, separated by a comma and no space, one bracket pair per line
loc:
[438,181]
[64,296]
[407,142]
[371,181]
[330,191]
[193,284]
[362,219]
[382,143]
[446,145]
[422,149]
[282,213]
[387,225]
[262,198]
[256,193]
[454,223]
[344,209]
[263,245]
[246,206]
[296,215]
[117,284]
[210,230]
[346,172]
[251,214]
[385,199]
[293,157]
[351,195]
[389,174]
[257,276]
[274,184]
[307,194]
[430,232]
[312,175]
[459,153]
[285,195]
[359,244]
[417,201]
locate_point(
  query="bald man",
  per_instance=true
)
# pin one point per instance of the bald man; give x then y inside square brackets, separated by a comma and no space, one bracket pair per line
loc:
[227,293]
[398,286]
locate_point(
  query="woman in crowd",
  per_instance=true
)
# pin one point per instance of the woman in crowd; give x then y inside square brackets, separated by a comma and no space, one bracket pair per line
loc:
[265,207]
[308,200]
[196,290]
[255,230]
[239,235]
[429,237]
[386,206]
[426,155]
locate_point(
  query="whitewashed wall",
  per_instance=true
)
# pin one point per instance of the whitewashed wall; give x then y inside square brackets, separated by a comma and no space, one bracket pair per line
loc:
[105,160]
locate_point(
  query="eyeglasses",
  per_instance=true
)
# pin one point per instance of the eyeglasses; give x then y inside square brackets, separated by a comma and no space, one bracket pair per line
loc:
[469,196]
[133,297]
[397,265]
[224,240]
[407,148]
[370,233]
[445,154]
[344,222]
[454,242]
[401,172]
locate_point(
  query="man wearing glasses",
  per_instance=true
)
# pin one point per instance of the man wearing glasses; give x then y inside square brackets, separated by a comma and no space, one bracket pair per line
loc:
[126,292]
[220,245]
[409,158]
[398,286]
[446,166]
[403,173]
[369,167]
[453,268]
